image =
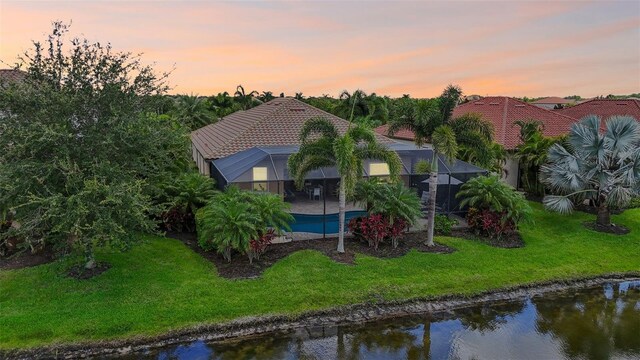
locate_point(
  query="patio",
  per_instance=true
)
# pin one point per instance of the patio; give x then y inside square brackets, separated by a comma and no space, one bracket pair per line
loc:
[303,205]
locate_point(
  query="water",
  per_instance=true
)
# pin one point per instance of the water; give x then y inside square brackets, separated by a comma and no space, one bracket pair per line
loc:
[595,323]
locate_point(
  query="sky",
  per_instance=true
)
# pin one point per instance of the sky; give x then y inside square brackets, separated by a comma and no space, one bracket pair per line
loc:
[514,48]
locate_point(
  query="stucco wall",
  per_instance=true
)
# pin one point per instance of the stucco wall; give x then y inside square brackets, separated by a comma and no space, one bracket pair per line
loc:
[510,176]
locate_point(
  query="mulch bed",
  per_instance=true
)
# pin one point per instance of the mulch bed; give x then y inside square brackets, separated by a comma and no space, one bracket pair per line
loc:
[26,259]
[240,267]
[613,229]
[81,273]
[511,241]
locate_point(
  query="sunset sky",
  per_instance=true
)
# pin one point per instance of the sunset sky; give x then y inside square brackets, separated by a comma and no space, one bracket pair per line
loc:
[387,47]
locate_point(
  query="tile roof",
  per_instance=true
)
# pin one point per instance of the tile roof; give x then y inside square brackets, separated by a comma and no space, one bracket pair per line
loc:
[400,134]
[277,122]
[553,100]
[11,75]
[605,108]
[502,112]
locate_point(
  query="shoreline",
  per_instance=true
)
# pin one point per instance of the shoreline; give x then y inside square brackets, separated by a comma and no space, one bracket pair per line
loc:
[349,314]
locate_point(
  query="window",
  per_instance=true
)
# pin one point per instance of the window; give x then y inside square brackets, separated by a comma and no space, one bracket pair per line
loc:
[378,169]
[260,179]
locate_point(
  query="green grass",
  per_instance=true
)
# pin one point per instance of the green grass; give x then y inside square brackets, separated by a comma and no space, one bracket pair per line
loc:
[162,285]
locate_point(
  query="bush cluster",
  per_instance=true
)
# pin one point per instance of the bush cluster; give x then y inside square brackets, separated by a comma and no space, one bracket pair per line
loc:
[241,221]
[496,208]
[443,225]
[376,229]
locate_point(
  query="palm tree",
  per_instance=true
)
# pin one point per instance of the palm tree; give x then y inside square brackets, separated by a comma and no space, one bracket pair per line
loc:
[430,120]
[601,166]
[222,104]
[266,96]
[352,105]
[323,146]
[245,100]
[474,136]
[532,153]
[193,111]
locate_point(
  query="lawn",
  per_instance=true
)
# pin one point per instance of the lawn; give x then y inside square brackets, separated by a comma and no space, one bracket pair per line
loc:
[162,285]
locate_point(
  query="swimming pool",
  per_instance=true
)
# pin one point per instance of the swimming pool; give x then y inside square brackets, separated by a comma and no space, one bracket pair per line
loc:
[314,223]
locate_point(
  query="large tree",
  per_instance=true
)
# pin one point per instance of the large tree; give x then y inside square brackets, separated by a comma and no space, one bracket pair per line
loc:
[431,121]
[82,148]
[602,166]
[323,146]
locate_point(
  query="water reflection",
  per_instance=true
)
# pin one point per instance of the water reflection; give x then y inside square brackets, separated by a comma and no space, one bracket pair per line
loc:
[597,323]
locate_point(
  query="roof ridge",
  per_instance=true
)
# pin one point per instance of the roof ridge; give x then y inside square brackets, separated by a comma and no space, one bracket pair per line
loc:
[543,109]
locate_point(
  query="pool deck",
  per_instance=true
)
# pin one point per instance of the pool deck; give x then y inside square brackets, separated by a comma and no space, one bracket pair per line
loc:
[302,205]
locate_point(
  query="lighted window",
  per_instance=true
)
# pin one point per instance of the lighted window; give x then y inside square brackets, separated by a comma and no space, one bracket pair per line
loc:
[260,179]
[378,169]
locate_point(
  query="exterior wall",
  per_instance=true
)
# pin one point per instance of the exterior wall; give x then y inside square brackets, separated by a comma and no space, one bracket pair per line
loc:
[201,162]
[546,106]
[511,167]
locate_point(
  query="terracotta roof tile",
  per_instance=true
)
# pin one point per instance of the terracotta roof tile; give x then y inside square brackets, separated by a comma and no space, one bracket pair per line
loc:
[605,108]
[277,122]
[400,134]
[502,112]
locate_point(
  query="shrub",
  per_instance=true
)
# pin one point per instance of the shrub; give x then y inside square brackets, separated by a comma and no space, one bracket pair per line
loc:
[489,223]
[241,221]
[376,228]
[184,196]
[258,246]
[496,208]
[443,224]
[394,201]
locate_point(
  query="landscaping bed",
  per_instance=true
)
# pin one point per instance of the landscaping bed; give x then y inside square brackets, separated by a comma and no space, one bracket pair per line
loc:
[240,268]
[26,259]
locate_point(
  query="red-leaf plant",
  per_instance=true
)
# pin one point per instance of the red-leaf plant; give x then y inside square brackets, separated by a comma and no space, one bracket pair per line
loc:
[259,246]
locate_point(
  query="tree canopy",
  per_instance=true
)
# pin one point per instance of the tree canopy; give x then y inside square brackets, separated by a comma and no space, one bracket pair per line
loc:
[83,149]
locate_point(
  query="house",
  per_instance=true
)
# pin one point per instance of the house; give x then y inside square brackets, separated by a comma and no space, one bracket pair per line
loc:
[605,108]
[250,149]
[553,102]
[502,112]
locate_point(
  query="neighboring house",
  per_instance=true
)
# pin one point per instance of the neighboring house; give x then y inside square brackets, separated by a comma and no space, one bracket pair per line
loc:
[502,112]
[605,108]
[553,102]
[250,149]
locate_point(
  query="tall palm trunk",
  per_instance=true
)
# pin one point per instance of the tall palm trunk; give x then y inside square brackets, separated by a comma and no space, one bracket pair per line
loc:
[604,215]
[342,199]
[431,206]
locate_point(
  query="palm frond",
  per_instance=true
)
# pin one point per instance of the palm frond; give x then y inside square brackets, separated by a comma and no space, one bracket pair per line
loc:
[444,142]
[317,127]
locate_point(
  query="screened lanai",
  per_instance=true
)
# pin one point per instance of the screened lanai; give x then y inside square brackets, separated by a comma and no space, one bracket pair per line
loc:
[265,169]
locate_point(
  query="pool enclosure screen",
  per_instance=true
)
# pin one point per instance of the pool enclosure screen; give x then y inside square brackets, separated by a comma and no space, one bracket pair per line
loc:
[265,169]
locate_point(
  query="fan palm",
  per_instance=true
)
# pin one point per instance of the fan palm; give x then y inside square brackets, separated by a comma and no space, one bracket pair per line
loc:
[323,146]
[601,166]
